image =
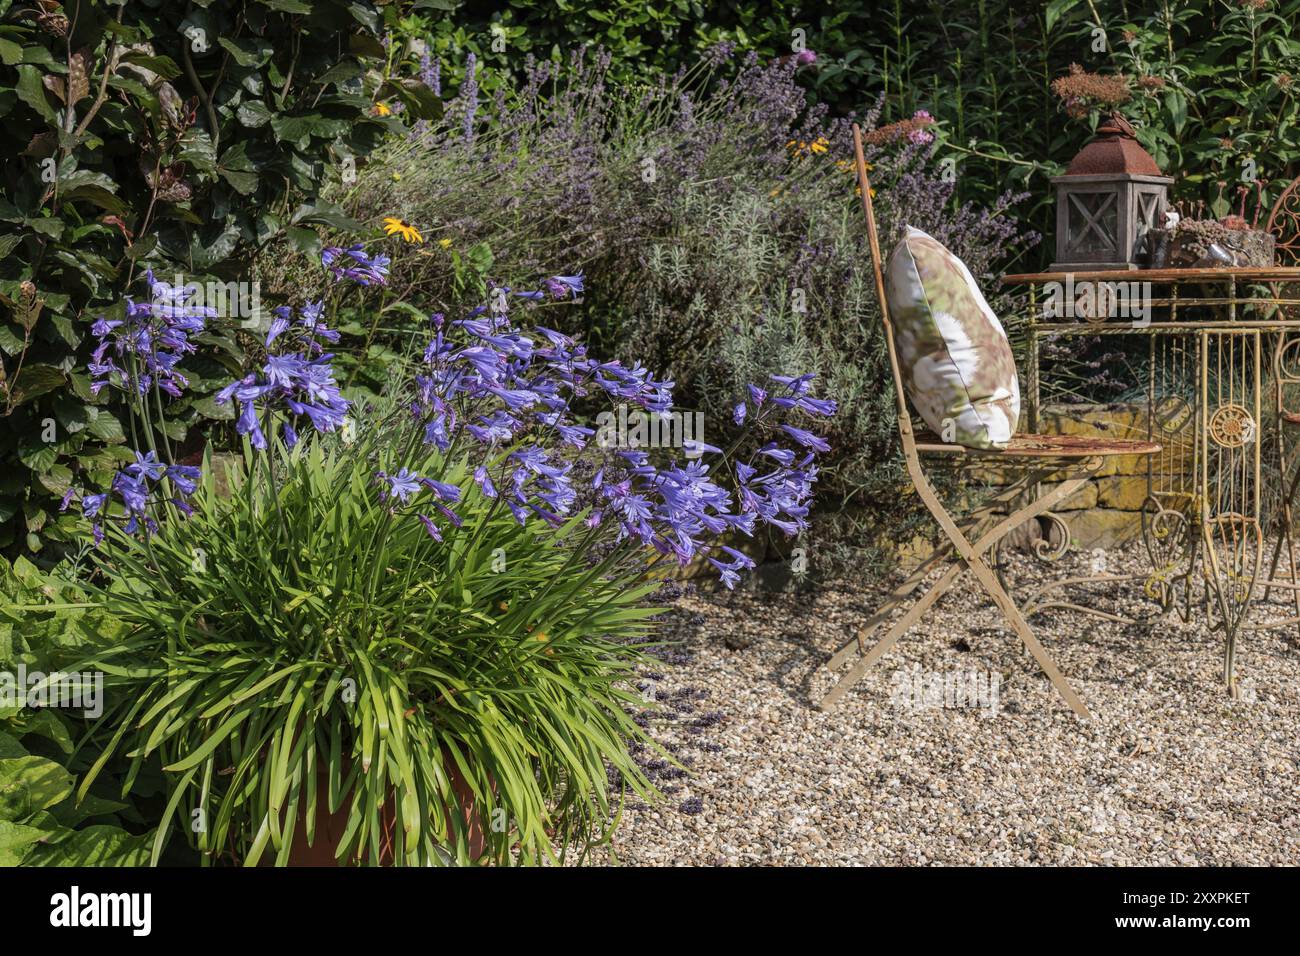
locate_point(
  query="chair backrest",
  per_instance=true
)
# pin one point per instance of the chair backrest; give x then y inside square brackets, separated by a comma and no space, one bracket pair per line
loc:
[877,263]
[1284,223]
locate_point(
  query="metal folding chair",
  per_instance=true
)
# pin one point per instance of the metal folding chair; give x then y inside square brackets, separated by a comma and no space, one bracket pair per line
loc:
[1031,459]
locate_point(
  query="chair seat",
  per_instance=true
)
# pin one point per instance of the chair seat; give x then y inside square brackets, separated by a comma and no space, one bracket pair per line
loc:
[1042,446]
[1291,418]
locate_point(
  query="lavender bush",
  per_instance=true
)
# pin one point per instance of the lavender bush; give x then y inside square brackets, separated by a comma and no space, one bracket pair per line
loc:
[713,213]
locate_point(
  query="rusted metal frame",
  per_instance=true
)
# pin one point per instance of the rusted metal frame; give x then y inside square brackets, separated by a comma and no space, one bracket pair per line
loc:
[1240,522]
[1285,516]
[1232,608]
[1250,275]
[1166,328]
[1035,605]
[970,558]
[930,498]
[986,577]
[971,523]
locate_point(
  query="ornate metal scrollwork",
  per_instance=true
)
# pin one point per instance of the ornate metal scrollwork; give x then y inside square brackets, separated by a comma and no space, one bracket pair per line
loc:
[1287,361]
[1167,535]
[1231,426]
[1055,542]
[1284,223]
[1173,413]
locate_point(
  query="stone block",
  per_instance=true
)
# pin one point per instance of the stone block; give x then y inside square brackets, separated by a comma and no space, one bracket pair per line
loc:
[1121,492]
[1102,528]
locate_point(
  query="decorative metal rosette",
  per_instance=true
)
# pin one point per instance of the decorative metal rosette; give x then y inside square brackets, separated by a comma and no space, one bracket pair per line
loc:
[1231,426]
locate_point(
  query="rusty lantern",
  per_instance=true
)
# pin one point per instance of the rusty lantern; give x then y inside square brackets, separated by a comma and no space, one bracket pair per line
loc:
[1112,193]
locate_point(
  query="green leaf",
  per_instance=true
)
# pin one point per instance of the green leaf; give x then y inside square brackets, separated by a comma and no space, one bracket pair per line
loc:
[237,169]
[287,6]
[208,408]
[304,240]
[94,846]
[17,837]
[253,113]
[31,783]
[37,455]
[164,66]
[248,52]
[32,91]
[34,381]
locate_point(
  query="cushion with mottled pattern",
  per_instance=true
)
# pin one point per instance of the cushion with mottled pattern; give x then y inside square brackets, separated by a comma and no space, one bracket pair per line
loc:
[956,361]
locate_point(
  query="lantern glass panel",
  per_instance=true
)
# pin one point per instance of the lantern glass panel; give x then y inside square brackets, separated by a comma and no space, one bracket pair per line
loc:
[1093,222]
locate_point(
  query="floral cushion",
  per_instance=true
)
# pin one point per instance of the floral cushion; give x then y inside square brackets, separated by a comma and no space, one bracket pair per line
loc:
[956,361]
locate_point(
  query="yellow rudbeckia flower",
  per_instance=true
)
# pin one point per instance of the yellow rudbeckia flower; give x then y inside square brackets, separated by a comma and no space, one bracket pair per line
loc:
[400,227]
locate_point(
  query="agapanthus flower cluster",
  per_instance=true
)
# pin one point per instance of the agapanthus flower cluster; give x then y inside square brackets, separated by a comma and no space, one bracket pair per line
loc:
[145,348]
[296,382]
[143,488]
[406,486]
[493,386]
[355,264]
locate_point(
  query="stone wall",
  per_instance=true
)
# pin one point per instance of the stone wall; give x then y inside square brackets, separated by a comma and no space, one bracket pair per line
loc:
[1105,512]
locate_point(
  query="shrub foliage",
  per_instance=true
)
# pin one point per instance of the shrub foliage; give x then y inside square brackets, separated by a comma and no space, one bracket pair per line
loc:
[171,137]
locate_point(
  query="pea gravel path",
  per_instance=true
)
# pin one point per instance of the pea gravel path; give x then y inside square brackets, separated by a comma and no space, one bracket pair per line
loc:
[1169,771]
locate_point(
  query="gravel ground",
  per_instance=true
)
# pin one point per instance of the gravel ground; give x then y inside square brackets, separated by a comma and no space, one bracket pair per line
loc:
[1170,770]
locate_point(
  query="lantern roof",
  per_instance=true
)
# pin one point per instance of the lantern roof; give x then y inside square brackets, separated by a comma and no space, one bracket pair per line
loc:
[1113,151]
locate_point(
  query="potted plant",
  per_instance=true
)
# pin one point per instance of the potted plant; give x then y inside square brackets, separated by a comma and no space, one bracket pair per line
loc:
[408,631]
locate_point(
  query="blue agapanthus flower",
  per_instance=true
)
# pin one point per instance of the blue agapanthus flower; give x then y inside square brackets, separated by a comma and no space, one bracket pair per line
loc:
[143,489]
[504,387]
[354,263]
[143,350]
[296,384]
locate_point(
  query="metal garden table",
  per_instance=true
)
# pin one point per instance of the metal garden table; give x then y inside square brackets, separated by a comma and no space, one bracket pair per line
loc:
[1216,340]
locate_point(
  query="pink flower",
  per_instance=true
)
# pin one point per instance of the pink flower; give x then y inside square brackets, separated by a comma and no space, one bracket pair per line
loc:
[805,57]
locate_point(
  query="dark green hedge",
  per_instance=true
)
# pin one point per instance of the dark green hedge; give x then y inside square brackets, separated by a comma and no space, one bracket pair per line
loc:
[153,135]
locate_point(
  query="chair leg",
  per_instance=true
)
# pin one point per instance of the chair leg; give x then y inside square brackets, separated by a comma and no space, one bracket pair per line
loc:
[896,597]
[882,613]
[957,539]
[896,631]
[985,575]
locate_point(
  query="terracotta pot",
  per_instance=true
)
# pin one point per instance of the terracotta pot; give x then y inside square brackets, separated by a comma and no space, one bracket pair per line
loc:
[330,827]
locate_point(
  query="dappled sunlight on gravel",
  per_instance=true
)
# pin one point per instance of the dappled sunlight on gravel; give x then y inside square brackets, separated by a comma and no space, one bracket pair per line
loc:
[1168,771]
